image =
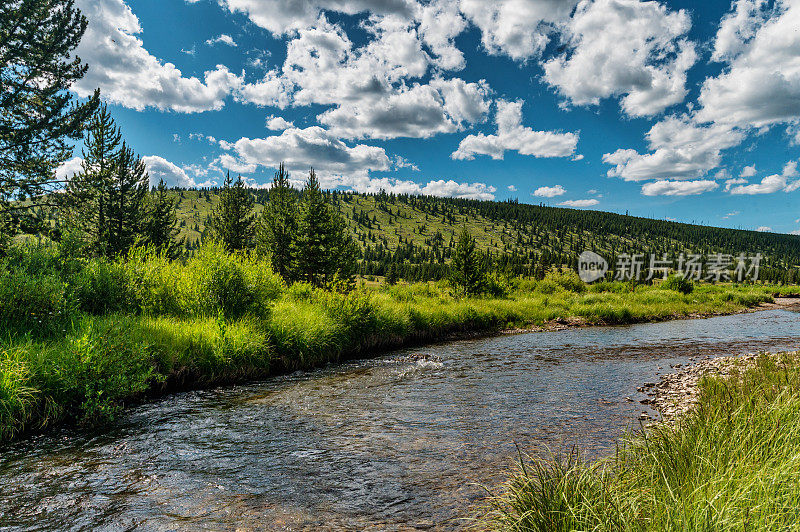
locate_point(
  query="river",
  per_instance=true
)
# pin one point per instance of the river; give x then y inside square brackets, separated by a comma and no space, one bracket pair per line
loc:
[402,441]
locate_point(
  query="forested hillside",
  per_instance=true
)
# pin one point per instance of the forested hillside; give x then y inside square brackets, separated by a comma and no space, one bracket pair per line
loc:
[416,234]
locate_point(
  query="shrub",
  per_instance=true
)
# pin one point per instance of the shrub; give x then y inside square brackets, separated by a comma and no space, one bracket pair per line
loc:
[216,283]
[33,304]
[678,284]
[102,287]
[568,281]
[91,373]
[156,281]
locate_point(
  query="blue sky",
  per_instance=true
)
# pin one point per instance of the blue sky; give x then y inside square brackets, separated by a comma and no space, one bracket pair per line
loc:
[680,110]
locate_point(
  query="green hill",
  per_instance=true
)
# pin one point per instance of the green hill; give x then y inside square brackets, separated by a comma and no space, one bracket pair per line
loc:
[416,233]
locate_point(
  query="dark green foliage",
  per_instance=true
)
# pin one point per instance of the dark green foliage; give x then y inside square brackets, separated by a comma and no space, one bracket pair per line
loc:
[326,251]
[101,287]
[160,227]
[232,220]
[391,275]
[468,270]
[277,231]
[127,208]
[36,305]
[107,200]
[39,116]
[679,284]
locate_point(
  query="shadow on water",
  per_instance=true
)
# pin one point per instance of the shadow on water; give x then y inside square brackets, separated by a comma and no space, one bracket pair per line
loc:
[398,442]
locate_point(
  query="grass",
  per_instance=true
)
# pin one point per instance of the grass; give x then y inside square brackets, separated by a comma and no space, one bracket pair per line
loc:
[733,464]
[95,335]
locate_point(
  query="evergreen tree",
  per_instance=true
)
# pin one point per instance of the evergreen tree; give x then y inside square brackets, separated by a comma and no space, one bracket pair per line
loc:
[277,229]
[391,274]
[38,117]
[127,202]
[467,269]
[326,251]
[232,221]
[85,202]
[161,226]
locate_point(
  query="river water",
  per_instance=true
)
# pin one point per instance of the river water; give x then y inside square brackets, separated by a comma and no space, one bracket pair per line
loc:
[403,441]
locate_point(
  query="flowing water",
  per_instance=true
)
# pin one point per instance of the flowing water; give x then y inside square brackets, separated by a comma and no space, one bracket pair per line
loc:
[402,441]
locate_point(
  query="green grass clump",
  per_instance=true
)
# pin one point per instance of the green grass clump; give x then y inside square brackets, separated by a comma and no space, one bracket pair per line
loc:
[733,464]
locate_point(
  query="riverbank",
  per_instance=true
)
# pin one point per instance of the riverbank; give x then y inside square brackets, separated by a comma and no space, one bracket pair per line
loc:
[85,339]
[725,459]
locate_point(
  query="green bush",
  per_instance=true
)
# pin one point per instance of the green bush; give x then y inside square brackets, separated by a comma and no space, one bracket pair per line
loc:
[33,304]
[102,287]
[94,371]
[678,284]
[569,281]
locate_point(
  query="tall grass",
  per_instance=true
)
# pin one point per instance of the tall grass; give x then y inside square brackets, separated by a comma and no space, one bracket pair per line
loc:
[84,337]
[733,464]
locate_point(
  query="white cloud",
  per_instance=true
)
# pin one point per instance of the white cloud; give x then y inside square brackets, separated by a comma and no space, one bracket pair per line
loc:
[772,183]
[579,203]
[300,149]
[511,188]
[795,232]
[761,84]
[681,149]
[129,75]
[549,192]
[748,171]
[419,111]
[511,135]
[201,136]
[452,189]
[678,188]
[281,17]
[278,123]
[764,229]
[440,22]
[517,28]
[624,47]
[768,185]
[222,39]
[172,174]
[729,183]
[401,162]
[69,168]
[731,214]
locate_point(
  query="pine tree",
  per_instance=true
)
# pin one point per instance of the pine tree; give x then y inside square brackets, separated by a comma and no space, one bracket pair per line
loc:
[326,251]
[467,269]
[127,202]
[161,226]
[232,221]
[39,115]
[391,274]
[277,230]
[85,202]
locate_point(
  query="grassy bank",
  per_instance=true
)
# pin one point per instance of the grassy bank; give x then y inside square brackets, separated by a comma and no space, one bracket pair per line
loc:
[83,338]
[733,464]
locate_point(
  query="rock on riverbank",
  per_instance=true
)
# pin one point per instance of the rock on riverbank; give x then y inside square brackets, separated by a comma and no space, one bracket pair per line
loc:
[678,393]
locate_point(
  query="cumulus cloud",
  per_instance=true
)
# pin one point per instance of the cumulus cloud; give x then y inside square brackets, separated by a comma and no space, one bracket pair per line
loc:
[278,123]
[129,75]
[281,17]
[795,232]
[173,175]
[729,183]
[549,192]
[69,168]
[681,149]
[299,149]
[761,50]
[579,203]
[772,183]
[748,171]
[222,39]
[511,188]
[518,28]
[624,47]
[678,188]
[764,229]
[512,135]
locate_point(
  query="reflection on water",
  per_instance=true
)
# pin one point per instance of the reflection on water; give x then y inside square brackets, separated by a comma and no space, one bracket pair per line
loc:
[399,442]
